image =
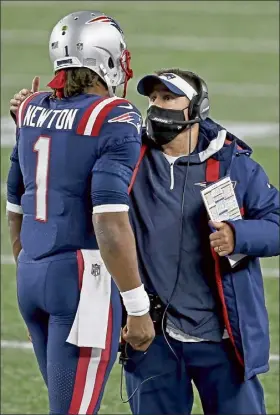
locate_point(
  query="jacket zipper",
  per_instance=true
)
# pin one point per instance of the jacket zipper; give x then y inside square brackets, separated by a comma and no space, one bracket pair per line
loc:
[171,176]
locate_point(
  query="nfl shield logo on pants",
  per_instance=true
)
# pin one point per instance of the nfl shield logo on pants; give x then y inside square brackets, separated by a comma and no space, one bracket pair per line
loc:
[95,270]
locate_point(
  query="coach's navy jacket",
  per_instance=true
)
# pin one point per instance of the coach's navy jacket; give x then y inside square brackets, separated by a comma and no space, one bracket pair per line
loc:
[240,289]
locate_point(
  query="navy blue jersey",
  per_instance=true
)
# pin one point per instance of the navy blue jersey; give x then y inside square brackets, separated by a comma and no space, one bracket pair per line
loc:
[72,157]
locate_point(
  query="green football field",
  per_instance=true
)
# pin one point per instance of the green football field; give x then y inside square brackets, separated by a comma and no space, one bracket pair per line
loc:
[233,45]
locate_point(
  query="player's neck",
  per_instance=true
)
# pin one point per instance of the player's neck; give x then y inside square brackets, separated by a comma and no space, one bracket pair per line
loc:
[181,144]
[97,89]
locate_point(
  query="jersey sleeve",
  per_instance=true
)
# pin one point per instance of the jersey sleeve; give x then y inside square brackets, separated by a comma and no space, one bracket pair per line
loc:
[15,186]
[118,153]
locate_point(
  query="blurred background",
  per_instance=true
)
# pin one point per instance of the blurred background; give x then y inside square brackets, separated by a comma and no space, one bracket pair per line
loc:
[233,45]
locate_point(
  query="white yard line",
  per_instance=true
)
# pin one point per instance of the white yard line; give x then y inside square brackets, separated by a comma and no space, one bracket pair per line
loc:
[150,41]
[3,189]
[205,43]
[225,8]
[267,272]
[19,345]
[255,134]
[20,80]
[13,344]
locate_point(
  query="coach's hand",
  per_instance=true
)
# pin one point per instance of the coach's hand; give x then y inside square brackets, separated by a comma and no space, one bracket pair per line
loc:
[223,239]
[139,332]
[23,94]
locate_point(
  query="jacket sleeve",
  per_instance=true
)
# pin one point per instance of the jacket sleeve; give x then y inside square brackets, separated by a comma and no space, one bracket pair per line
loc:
[258,234]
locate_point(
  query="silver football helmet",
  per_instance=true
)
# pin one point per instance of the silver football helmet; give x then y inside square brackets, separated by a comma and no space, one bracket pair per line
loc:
[91,40]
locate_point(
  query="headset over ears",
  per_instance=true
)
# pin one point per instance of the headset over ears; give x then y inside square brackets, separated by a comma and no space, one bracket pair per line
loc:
[199,106]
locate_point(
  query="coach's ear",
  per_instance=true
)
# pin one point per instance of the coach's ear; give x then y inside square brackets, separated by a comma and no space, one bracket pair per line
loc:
[35,84]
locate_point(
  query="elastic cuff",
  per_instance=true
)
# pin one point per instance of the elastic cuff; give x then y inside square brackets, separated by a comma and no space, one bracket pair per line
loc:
[110,208]
[11,207]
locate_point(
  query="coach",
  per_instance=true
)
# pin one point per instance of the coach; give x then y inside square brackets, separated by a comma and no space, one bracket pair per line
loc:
[211,320]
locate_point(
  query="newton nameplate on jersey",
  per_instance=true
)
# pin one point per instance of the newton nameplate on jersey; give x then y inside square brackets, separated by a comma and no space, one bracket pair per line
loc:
[221,204]
[40,117]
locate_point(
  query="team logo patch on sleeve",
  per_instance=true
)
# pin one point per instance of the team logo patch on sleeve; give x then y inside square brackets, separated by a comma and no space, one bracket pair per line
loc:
[130,117]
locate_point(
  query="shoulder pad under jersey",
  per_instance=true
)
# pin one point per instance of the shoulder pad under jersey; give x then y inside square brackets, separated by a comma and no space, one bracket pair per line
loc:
[110,114]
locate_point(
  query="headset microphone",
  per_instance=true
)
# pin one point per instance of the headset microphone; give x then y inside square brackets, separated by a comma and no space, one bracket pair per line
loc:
[190,122]
[171,122]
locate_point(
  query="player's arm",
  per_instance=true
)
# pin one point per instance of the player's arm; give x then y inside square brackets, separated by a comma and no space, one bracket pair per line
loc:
[15,189]
[111,177]
[110,180]
[117,246]
[14,223]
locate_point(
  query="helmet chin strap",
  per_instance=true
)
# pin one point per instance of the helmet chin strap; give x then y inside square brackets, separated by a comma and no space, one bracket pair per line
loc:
[107,80]
[125,65]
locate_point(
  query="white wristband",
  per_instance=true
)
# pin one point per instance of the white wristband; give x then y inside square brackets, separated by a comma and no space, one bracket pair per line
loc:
[136,301]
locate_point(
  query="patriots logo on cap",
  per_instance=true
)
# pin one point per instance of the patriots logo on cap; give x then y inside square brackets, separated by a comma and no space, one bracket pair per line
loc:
[130,117]
[105,19]
[168,75]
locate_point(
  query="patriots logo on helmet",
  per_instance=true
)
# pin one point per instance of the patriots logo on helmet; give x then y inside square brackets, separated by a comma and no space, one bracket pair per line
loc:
[130,117]
[105,19]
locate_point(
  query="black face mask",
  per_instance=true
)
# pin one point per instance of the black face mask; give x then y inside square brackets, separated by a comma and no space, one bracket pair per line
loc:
[161,124]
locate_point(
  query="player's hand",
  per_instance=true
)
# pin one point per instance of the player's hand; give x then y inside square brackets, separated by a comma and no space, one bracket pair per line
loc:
[29,336]
[223,240]
[139,332]
[23,94]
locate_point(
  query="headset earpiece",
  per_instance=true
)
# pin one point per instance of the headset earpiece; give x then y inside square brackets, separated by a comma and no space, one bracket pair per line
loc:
[199,105]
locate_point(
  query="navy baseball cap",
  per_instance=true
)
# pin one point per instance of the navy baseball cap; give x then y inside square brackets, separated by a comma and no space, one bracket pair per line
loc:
[173,82]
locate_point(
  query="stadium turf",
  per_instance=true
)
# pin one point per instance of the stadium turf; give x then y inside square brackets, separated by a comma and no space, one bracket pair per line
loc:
[233,45]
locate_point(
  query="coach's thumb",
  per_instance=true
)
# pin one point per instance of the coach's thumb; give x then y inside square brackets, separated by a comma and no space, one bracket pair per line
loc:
[216,225]
[124,332]
[35,84]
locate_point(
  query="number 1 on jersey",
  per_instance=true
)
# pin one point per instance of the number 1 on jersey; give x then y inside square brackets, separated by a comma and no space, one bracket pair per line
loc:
[42,148]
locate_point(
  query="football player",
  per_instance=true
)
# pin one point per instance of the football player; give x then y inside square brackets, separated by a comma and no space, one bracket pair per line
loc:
[67,197]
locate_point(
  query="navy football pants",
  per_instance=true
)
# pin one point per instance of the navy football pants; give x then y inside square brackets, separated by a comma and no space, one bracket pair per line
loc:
[48,296]
[211,366]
